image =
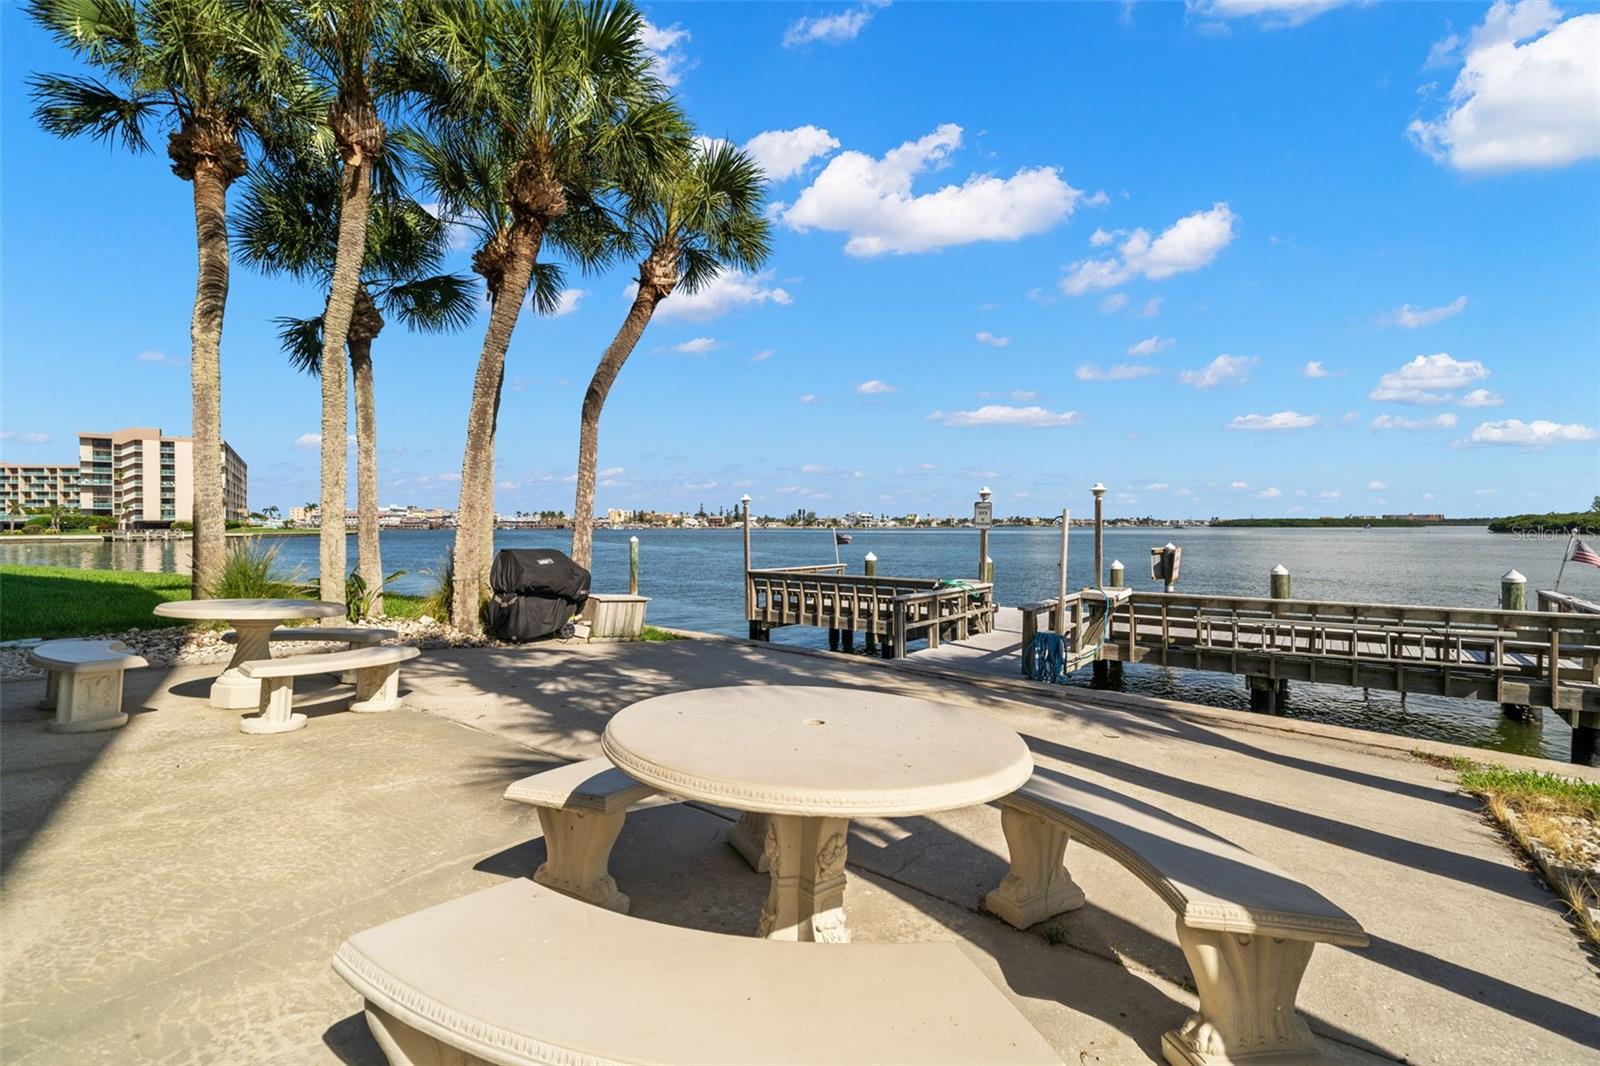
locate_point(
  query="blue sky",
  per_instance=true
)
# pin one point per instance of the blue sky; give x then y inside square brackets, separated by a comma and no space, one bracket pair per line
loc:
[1229,258]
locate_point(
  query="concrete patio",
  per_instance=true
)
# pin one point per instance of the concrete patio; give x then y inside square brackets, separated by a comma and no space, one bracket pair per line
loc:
[174,890]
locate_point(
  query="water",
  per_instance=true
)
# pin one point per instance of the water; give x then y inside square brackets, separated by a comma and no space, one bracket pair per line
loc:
[692,577]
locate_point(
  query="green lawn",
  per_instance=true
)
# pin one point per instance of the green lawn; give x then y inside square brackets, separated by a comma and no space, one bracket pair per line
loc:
[52,601]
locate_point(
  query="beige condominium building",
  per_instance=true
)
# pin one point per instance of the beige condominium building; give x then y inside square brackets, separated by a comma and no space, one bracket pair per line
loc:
[142,477]
[31,487]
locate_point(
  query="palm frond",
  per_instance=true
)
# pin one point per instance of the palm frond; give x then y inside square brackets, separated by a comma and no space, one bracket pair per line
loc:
[70,106]
[441,304]
[549,281]
[301,341]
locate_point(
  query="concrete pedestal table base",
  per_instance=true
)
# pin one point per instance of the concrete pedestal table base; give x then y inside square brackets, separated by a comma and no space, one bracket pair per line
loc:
[804,761]
[253,621]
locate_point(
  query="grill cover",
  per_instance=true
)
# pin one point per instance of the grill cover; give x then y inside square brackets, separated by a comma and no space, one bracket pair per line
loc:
[536,590]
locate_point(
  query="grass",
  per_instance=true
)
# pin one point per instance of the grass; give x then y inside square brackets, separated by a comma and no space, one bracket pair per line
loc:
[1542,809]
[52,601]
[651,633]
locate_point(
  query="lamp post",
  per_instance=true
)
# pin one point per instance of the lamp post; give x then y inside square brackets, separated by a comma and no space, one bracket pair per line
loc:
[983,518]
[1099,491]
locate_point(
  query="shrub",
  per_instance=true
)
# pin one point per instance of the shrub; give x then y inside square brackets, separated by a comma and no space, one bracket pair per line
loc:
[437,602]
[250,571]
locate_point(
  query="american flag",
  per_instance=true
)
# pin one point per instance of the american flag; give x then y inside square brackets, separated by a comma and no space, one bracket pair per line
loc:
[1582,553]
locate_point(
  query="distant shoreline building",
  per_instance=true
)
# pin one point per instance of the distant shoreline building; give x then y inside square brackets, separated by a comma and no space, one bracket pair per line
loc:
[139,476]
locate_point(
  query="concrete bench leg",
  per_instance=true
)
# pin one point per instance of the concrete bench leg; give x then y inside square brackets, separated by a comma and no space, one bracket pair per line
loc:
[277,709]
[52,686]
[1038,886]
[404,1045]
[1247,987]
[348,677]
[88,702]
[377,689]
[578,852]
[749,838]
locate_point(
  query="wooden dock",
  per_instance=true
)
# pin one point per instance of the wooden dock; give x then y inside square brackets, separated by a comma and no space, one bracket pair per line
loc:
[889,612]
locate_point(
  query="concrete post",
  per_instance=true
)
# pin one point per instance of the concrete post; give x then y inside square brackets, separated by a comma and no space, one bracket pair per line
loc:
[1118,575]
[869,566]
[1061,584]
[1514,597]
[1099,491]
[633,566]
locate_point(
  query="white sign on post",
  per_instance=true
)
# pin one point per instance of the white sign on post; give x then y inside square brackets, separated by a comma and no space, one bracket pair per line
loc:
[983,514]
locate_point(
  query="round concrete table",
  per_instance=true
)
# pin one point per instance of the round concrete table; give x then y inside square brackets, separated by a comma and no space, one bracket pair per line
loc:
[253,621]
[812,759]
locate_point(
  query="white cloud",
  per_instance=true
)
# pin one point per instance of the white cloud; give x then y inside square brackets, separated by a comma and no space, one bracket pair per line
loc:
[985,337]
[308,442]
[1537,433]
[1270,14]
[1157,486]
[1444,421]
[1481,398]
[832,29]
[1119,372]
[730,288]
[1023,395]
[1428,379]
[1281,420]
[808,398]
[1101,237]
[1000,415]
[161,358]
[1331,494]
[1376,486]
[1111,304]
[1188,244]
[696,346]
[1151,308]
[762,356]
[871,200]
[1151,346]
[1270,493]
[1223,370]
[568,301]
[665,48]
[784,153]
[1314,370]
[1407,317]
[1237,485]
[1515,105]
[24,438]
[875,387]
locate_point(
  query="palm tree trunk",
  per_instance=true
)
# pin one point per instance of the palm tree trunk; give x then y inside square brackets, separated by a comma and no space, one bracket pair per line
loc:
[475,512]
[605,375]
[210,184]
[357,187]
[369,561]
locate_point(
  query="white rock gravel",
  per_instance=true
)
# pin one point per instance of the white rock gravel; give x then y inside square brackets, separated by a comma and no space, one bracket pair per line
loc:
[203,644]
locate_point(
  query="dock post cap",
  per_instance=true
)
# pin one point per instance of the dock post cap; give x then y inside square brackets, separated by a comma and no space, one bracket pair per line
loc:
[1513,576]
[984,492]
[633,539]
[1280,569]
[1170,546]
[871,558]
[1116,564]
[1098,489]
[745,498]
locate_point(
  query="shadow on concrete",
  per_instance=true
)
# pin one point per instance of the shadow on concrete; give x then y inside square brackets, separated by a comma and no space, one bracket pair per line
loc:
[351,1042]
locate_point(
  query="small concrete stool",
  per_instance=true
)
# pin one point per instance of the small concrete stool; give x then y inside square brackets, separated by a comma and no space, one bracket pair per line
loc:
[84,682]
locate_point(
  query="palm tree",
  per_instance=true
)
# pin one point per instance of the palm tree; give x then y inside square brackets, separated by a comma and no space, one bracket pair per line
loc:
[290,223]
[533,107]
[694,216]
[221,75]
[347,46]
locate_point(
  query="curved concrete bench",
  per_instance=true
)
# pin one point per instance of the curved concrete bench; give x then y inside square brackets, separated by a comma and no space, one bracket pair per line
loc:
[581,809]
[377,673]
[1246,927]
[351,637]
[521,974]
[83,682]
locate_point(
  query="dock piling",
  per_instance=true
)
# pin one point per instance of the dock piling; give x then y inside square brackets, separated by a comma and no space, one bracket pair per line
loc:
[1099,491]
[1267,693]
[1119,575]
[633,567]
[1514,597]
[869,567]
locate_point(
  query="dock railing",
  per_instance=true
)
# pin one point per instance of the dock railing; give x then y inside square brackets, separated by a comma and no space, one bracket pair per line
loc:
[888,610]
[1536,658]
